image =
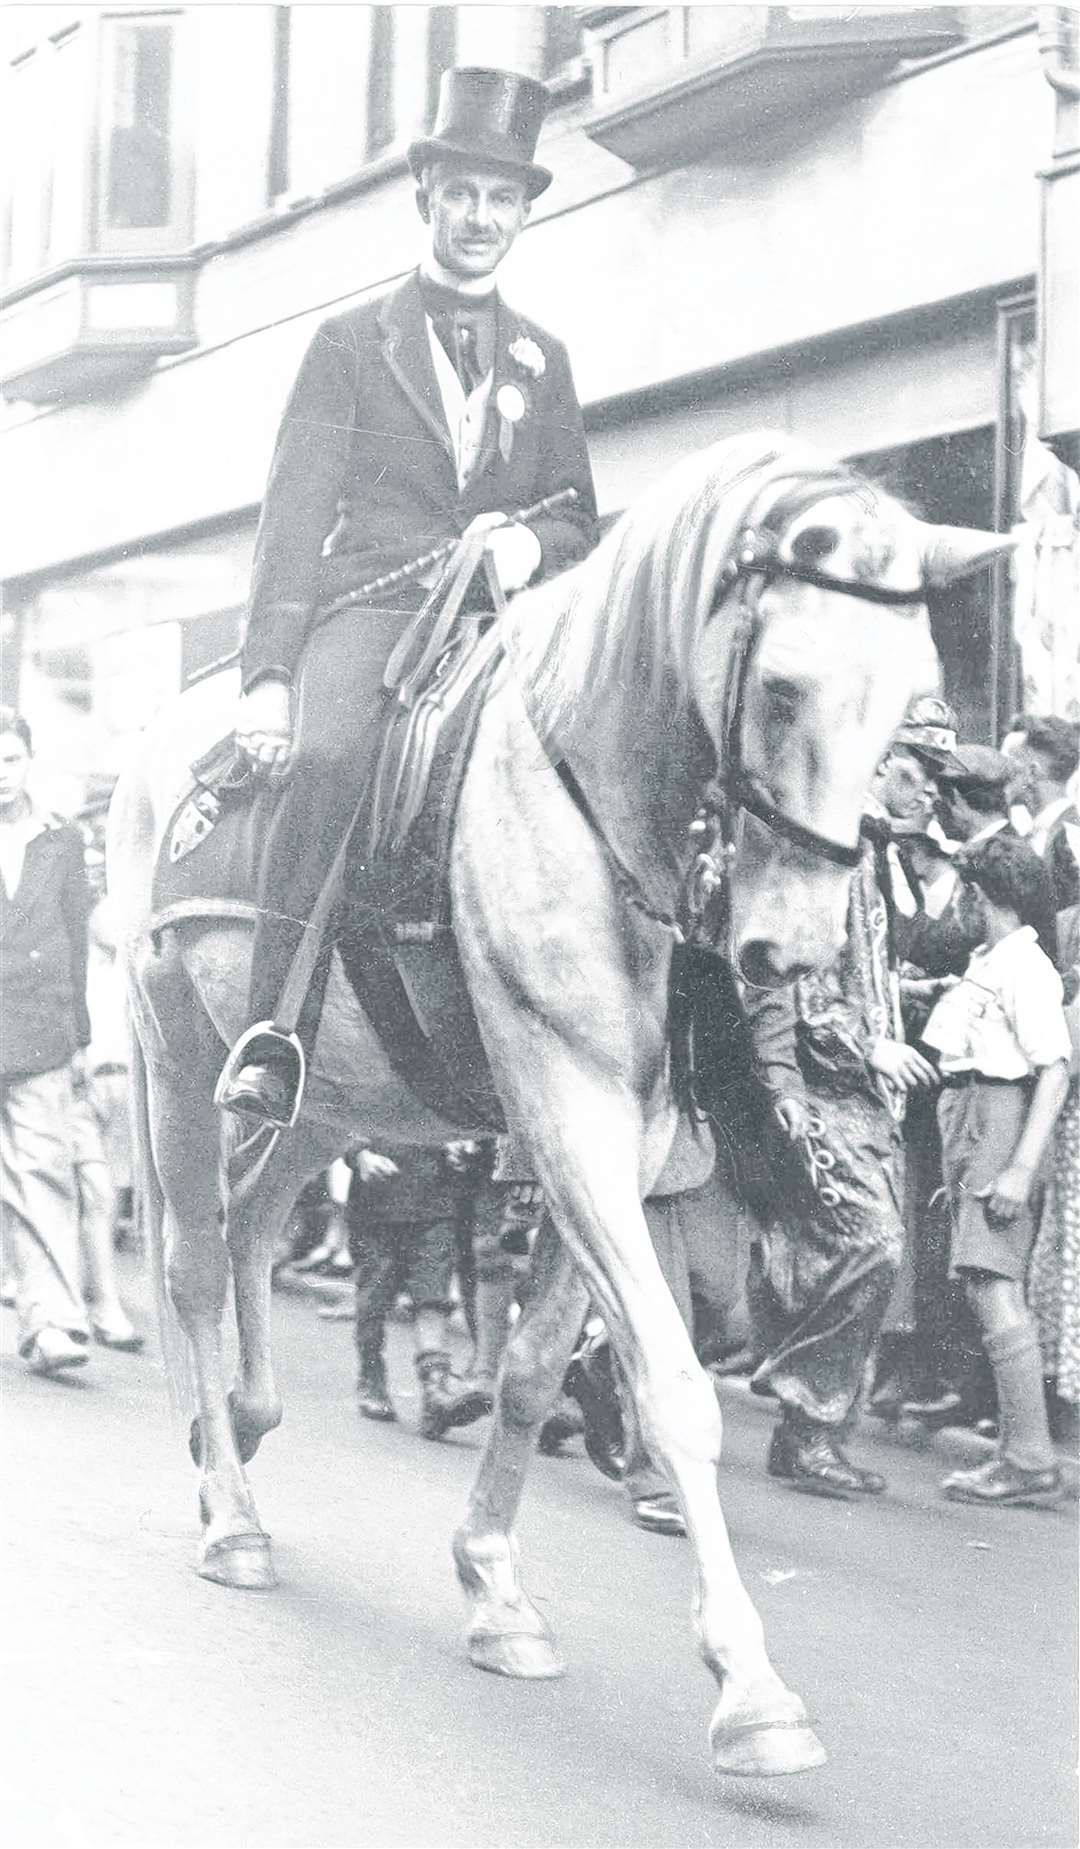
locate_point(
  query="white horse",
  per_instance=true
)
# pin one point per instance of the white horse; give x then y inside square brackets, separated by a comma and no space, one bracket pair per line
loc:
[748,637]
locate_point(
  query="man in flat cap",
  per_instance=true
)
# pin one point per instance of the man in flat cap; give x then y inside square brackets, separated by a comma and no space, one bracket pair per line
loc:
[430,411]
[972,806]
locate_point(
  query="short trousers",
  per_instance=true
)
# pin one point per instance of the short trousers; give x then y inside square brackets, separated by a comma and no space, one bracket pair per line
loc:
[980,1127]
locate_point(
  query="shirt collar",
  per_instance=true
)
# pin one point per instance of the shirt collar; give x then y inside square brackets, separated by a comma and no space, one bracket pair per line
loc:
[472,288]
[984,834]
[1048,816]
[1023,933]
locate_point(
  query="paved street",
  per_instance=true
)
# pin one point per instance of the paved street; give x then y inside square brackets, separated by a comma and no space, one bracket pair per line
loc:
[935,1644]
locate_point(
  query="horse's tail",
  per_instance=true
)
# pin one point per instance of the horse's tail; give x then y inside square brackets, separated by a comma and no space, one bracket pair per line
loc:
[151,1210]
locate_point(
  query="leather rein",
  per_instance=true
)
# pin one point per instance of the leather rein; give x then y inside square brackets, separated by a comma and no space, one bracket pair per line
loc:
[737,791]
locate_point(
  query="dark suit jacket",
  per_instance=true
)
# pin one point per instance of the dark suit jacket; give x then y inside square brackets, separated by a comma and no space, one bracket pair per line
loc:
[364,478]
[43,939]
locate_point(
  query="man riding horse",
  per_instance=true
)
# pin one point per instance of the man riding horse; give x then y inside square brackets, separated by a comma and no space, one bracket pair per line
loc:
[428,412]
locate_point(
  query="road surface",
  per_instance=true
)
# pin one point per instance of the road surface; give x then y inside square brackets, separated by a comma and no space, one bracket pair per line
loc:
[934,1644]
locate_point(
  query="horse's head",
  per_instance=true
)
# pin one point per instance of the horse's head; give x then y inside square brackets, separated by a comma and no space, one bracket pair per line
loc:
[819,641]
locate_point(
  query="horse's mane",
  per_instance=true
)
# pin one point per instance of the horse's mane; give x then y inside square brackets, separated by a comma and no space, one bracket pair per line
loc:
[630,615]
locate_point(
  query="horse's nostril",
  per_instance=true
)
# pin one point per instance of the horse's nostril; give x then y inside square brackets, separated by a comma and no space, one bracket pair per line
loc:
[758,964]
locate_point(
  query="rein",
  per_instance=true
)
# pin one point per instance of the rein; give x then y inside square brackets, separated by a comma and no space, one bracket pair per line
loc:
[737,791]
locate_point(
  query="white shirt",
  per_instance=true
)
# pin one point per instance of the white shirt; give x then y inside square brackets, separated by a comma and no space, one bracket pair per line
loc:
[465,415]
[1004,1019]
[1044,822]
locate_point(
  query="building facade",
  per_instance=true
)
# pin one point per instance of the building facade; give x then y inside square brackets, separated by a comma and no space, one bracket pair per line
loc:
[856,226]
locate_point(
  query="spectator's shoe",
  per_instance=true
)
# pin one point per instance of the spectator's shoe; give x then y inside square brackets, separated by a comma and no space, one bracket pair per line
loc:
[659,1514]
[1000,1484]
[886,1401]
[565,1421]
[446,1402]
[590,1381]
[812,1460]
[948,1408]
[52,1351]
[263,1077]
[372,1396]
[119,1335]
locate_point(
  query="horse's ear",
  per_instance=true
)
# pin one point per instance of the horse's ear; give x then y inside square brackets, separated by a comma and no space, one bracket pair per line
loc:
[952,552]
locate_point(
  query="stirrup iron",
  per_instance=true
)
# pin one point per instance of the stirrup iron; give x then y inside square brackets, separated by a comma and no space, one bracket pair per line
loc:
[286,1045]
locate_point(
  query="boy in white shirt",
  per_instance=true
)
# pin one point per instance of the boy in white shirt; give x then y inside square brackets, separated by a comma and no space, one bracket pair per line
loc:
[1004,1051]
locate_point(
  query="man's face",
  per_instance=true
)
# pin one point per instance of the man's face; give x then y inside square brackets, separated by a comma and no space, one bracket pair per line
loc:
[906,787]
[475,213]
[14,768]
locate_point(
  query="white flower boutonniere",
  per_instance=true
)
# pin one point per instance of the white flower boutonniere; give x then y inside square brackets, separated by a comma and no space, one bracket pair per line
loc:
[526,354]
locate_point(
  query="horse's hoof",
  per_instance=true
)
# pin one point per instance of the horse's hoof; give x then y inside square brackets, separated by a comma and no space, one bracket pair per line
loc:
[242,1561]
[766,1749]
[518,1654]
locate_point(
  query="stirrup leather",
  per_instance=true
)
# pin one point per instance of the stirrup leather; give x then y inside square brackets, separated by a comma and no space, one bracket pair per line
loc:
[285,1045]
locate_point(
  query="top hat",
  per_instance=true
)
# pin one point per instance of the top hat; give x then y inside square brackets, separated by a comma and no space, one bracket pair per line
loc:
[490,117]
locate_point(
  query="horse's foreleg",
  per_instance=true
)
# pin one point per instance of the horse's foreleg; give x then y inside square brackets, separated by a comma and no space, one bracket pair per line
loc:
[760,1726]
[506,1632]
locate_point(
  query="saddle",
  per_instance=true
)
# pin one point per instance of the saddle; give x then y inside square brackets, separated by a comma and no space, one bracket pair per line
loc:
[411,698]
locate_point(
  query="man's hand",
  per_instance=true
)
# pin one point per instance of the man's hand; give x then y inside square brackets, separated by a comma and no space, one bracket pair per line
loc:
[794,1117]
[1006,1199]
[514,550]
[903,1064]
[264,725]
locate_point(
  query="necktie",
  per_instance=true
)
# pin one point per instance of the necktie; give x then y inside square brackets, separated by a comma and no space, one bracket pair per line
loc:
[467,358]
[465,327]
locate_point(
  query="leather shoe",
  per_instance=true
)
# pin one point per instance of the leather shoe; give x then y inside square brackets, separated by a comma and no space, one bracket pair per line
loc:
[590,1381]
[447,1402]
[659,1515]
[372,1393]
[1000,1483]
[564,1421]
[260,1089]
[120,1336]
[813,1461]
[946,1408]
[52,1351]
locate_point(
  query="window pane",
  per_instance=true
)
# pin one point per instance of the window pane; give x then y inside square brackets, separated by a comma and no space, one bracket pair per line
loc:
[138,185]
[26,168]
[67,135]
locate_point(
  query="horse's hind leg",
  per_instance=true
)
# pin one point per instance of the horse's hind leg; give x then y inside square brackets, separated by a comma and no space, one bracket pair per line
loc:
[506,1632]
[256,1215]
[234,1550]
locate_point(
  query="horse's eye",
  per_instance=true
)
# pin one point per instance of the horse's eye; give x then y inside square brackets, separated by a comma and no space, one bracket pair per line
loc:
[784,696]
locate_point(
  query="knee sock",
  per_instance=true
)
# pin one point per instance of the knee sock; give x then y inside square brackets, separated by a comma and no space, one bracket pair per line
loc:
[1017,1363]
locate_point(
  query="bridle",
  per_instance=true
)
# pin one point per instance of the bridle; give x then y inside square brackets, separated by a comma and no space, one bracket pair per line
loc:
[736,791]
